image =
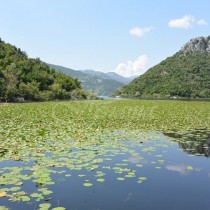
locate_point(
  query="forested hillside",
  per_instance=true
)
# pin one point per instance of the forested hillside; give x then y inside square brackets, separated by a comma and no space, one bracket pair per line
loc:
[185,74]
[23,78]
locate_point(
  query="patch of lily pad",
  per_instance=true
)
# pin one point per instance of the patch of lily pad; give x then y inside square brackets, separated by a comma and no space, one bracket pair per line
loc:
[190,168]
[46,140]
[87,184]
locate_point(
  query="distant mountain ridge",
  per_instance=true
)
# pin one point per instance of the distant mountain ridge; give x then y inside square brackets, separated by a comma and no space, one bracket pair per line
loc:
[94,81]
[185,74]
[109,75]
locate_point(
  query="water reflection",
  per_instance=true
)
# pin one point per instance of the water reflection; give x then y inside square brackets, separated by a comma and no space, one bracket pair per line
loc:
[195,142]
[181,168]
[129,172]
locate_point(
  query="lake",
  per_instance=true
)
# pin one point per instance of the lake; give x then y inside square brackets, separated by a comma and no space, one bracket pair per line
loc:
[71,155]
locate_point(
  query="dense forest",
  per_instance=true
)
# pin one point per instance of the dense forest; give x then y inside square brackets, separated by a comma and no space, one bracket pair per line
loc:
[26,79]
[185,74]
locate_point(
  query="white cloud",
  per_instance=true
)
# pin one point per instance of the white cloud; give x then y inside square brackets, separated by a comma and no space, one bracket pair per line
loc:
[133,68]
[136,31]
[185,22]
[202,22]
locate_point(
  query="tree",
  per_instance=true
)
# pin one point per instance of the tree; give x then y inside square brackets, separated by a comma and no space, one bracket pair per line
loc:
[32,79]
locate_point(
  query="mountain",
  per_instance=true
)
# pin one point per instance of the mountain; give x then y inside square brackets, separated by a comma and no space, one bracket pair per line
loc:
[23,78]
[185,74]
[71,72]
[124,80]
[109,75]
[98,83]
[96,73]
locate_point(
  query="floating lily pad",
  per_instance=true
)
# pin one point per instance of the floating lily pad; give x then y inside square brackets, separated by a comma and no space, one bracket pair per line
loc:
[15,189]
[143,178]
[190,168]
[25,198]
[100,180]
[120,178]
[139,181]
[139,165]
[44,206]
[88,184]
[3,208]
[130,175]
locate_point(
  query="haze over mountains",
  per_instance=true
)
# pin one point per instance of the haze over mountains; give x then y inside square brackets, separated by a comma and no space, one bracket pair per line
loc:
[109,75]
[100,83]
[185,74]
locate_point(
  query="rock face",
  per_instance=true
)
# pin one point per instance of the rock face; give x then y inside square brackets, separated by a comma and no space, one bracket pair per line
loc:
[199,44]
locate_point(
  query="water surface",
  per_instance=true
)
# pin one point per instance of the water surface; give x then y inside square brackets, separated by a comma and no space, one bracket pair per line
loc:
[155,171]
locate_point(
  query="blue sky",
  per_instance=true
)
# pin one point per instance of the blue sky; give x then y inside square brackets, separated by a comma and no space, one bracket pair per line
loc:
[126,36]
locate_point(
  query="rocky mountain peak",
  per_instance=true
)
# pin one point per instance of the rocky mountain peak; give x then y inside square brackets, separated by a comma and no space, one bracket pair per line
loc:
[198,44]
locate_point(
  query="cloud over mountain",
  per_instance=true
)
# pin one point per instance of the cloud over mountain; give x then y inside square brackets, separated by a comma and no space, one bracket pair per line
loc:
[133,68]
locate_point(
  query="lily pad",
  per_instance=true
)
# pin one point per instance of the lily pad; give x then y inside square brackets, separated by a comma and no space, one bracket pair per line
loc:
[45,206]
[87,184]
[143,178]
[120,178]
[25,198]
[190,168]
[100,180]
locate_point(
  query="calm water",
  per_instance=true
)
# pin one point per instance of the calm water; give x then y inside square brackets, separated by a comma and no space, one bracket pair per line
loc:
[159,173]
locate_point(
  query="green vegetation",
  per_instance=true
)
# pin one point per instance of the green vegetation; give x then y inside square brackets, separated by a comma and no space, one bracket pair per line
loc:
[22,78]
[185,74]
[95,83]
[85,119]
[85,141]
[93,146]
